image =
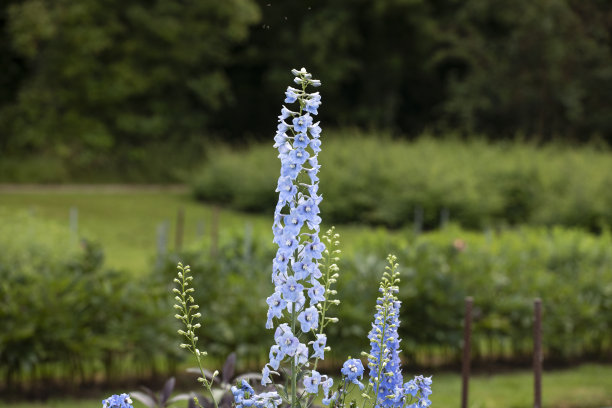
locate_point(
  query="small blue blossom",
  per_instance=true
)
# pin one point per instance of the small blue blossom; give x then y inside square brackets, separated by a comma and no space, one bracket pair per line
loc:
[319,346]
[288,344]
[286,189]
[313,103]
[352,369]
[117,401]
[301,354]
[316,293]
[312,382]
[327,401]
[303,270]
[276,356]
[302,141]
[291,95]
[291,290]
[309,319]
[277,304]
[290,169]
[301,123]
[265,376]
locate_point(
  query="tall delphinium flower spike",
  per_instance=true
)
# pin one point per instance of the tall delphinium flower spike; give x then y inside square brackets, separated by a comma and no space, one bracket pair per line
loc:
[384,388]
[188,315]
[383,360]
[300,299]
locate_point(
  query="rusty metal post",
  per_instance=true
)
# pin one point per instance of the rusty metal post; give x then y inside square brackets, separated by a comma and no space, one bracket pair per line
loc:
[467,348]
[537,353]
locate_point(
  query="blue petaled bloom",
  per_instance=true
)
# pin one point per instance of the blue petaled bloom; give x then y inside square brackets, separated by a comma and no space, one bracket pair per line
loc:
[301,354]
[291,290]
[312,105]
[309,319]
[316,293]
[288,344]
[303,270]
[301,140]
[298,156]
[352,369]
[301,123]
[327,401]
[117,401]
[276,356]
[311,383]
[290,169]
[291,95]
[319,346]
[265,376]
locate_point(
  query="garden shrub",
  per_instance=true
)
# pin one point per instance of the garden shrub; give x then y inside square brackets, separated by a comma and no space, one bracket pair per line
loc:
[504,270]
[380,181]
[63,312]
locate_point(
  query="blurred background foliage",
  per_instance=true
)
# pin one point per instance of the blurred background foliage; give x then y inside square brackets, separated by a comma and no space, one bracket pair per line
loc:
[95,85]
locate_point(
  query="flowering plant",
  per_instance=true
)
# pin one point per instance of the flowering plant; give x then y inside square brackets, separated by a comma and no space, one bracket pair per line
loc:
[303,273]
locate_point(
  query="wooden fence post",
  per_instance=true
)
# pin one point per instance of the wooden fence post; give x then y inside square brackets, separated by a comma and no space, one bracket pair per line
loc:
[537,353]
[467,346]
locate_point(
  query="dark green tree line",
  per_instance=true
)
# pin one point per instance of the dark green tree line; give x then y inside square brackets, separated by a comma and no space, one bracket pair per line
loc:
[86,80]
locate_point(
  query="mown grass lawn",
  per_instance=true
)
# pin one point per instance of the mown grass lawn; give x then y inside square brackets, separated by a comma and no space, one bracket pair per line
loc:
[587,386]
[125,222]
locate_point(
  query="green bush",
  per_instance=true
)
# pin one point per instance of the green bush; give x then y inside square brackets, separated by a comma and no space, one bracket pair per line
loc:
[379,181]
[503,270]
[63,312]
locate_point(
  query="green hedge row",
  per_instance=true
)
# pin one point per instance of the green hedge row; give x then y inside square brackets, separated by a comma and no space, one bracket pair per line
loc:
[64,315]
[379,181]
[504,271]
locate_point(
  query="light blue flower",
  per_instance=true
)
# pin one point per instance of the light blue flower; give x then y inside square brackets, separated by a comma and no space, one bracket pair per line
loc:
[291,290]
[117,401]
[291,95]
[303,270]
[302,140]
[309,319]
[301,354]
[265,376]
[327,401]
[277,304]
[312,382]
[288,344]
[276,356]
[298,156]
[290,169]
[319,346]
[316,293]
[352,369]
[301,123]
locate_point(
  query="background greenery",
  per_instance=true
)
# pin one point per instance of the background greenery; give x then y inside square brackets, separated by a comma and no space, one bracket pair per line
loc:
[47,277]
[381,181]
[98,91]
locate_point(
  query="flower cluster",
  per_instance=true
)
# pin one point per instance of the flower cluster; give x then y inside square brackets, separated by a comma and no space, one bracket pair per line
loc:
[245,397]
[383,360]
[416,392]
[117,401]
[295,270]
[384,388]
